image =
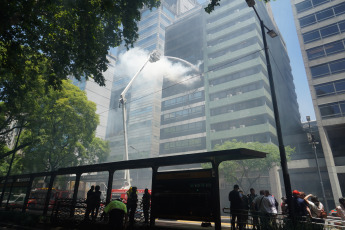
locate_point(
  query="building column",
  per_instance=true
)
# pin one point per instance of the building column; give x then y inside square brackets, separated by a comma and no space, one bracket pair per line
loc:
[276,188]
[331,168]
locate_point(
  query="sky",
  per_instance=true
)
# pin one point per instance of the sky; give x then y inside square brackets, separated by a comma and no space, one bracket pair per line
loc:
[282,11]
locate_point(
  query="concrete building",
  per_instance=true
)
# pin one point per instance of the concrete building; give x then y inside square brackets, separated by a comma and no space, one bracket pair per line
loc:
[320,27]
[232,100]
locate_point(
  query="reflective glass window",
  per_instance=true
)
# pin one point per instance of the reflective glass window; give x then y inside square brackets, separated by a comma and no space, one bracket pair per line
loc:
[319,71]
[342,26]
[308,20]
[339,9]
[325,14]
[329,30]
[337,66]
[302,6]
[168,12]
[311,36]
[319,2]
[324,90]
[334,47]
[342,107]
[340,86]
[315,52]
[330,110]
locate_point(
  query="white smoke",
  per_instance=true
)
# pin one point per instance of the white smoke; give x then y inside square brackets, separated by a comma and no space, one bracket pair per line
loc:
[130,62]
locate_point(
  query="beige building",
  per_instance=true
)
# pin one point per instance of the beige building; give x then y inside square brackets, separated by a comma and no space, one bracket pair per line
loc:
[320,27]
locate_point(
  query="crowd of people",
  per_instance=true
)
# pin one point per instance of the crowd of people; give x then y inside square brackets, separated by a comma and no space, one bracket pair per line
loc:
[264,208]
[118,212]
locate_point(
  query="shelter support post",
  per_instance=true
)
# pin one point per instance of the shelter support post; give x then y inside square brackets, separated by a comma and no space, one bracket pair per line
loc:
[75,194]
[49,192]
[10,192]
[153,196]
[27,195]
[110,185]
[216,207]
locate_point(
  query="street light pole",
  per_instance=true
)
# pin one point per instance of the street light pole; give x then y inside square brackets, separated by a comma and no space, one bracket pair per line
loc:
[313,142]
[153,57]
[283,160]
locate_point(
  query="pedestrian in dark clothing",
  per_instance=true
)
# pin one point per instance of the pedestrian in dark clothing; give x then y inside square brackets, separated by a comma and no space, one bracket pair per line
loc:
[146,204]
[252,208]
[300,207]
[235,207]
[244,209]
[88,201]
[96,201]
[132,204]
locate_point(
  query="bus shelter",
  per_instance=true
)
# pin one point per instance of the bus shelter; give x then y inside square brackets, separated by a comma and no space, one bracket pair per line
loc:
[179,194]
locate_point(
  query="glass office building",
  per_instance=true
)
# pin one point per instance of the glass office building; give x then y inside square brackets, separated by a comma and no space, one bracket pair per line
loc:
[231,100]
[320,27]
[144,109]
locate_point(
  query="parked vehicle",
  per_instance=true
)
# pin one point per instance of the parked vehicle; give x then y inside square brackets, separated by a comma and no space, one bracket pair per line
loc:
[38,197]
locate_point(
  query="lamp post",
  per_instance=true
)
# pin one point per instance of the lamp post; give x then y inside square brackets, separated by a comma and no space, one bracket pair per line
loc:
[283,160]
[313,142]
[153,57]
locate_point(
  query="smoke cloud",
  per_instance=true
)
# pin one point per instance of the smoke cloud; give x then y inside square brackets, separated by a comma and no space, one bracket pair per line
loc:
[131,61]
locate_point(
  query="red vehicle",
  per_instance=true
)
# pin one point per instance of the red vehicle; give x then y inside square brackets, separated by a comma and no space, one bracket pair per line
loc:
[122,194]
[38,196]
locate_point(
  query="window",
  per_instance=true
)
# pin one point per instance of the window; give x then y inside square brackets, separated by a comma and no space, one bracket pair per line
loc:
[307,20]
[339,9]
[340,86]
[326,50]
[337,66]
[319,2]
[330,110]
[320,71]
[303,6]
[334,47]
[324,90]
[324,32]
[311,36]
[329,31]
[315,52]
[325,14]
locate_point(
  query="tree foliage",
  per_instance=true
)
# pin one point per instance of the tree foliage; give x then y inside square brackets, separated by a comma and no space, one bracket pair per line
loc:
[69,37]
[63,131]
[246,172]
[213,3]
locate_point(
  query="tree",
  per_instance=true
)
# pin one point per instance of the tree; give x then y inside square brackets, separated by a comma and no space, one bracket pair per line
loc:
[246,172]
[74,36]
[210,7]
[63,133]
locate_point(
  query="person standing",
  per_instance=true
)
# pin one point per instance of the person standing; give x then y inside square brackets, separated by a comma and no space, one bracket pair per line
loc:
[300,207]
[146,204]
[132,204]
[341,210]
[117,212]
[257,203]
[244,209]
[96,202]
[89,197]
[235,207]
[252,209]
[270,209]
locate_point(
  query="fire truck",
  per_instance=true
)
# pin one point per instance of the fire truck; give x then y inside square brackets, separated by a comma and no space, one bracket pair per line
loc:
[122,194]
[38,197]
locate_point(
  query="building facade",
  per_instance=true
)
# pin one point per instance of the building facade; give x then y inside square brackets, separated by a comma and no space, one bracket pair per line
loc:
[100,95]
[320,27]
[232,99]
[144,107]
